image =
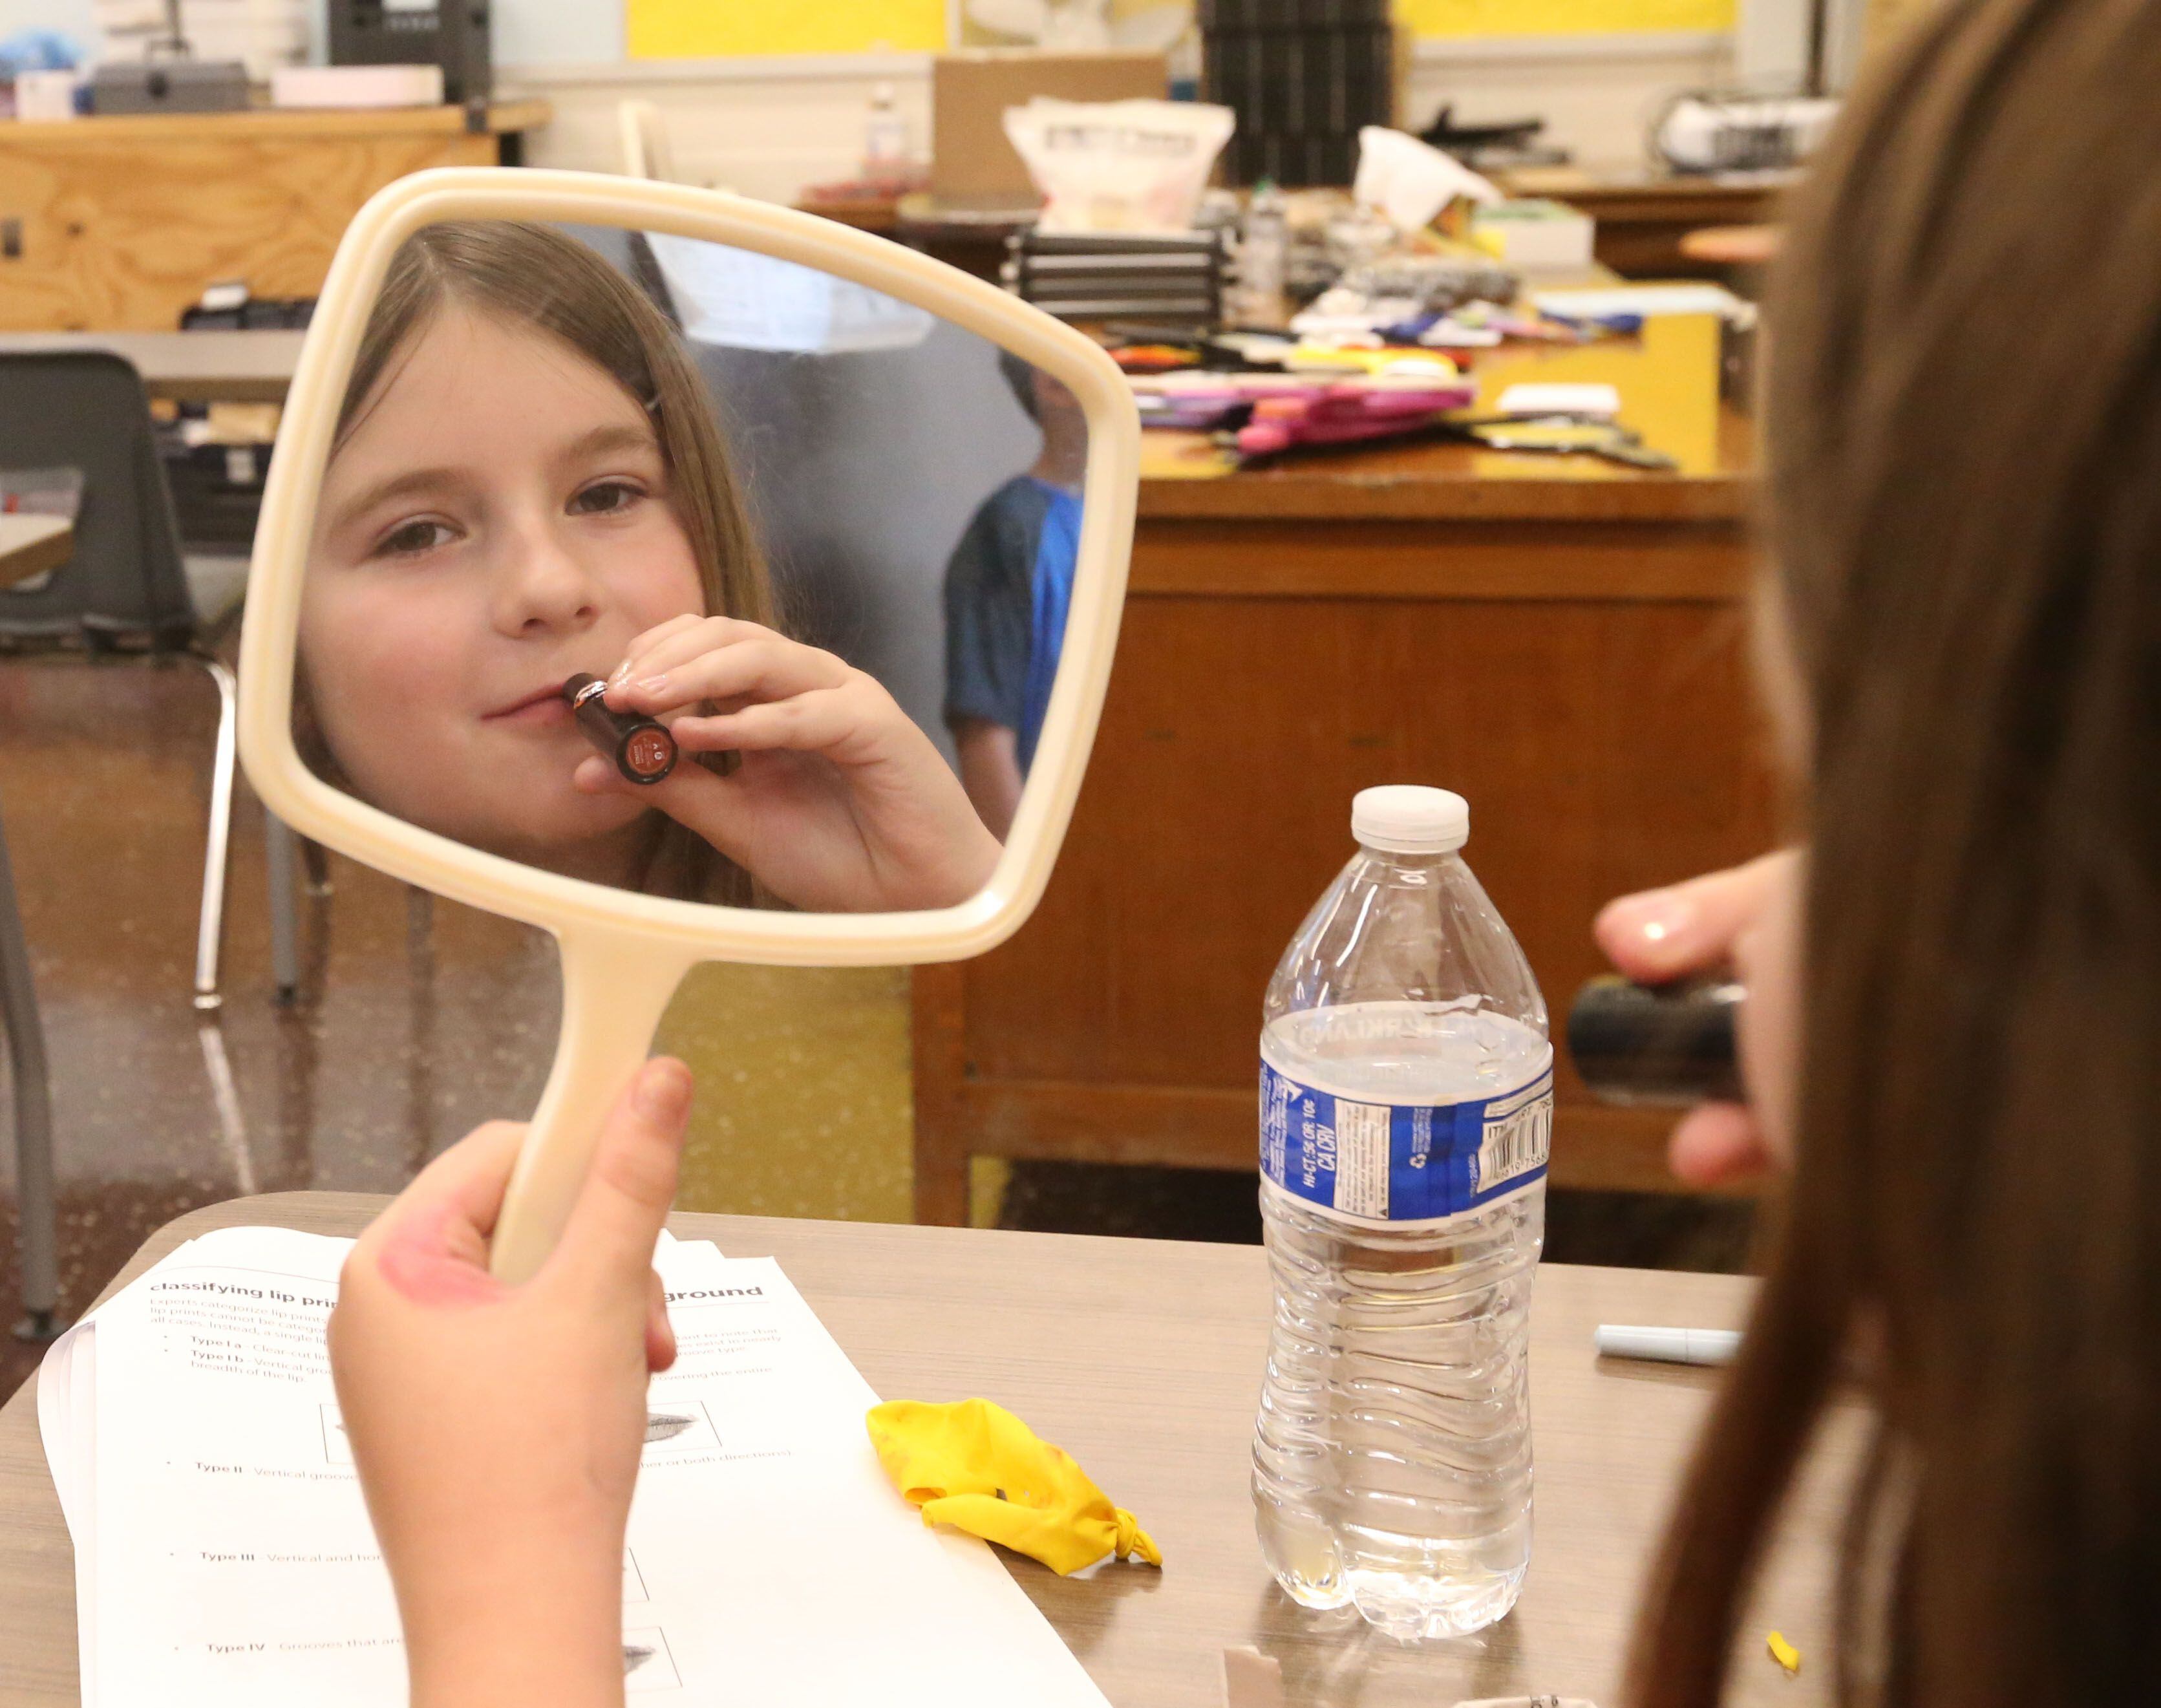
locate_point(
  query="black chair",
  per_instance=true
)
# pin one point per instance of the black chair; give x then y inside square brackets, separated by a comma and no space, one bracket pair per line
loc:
[37,1215]
[123,594]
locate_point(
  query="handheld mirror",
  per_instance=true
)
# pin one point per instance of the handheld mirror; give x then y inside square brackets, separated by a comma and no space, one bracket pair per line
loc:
[692,578]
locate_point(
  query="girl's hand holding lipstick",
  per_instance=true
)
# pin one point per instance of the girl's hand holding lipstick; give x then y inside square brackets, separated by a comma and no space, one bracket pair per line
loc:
[838,803]
[1744,921]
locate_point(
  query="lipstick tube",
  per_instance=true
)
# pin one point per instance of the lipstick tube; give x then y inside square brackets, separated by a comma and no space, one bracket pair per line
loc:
[639,747]
[1659,1044]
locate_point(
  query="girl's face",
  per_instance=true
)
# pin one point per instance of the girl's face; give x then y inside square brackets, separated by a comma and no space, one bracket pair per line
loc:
[497,519]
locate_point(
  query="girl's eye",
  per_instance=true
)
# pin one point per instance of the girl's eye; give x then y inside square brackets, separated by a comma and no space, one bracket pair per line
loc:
[604,497]
[410,538]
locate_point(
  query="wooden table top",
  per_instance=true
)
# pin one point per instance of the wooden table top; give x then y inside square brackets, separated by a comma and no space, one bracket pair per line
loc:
[30,545]
[135,128]
[1734,245]
[1142,1359]
[205,366]
[1647,192]
[1669,382]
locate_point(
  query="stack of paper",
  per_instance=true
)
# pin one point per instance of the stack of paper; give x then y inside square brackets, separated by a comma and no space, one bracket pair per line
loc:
[223,1554]
[1642,302]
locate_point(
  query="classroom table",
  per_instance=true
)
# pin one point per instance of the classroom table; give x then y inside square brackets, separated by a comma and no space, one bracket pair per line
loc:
[1142,1359]
[1561,640]
[31,544]
[187,367]
[1729,247]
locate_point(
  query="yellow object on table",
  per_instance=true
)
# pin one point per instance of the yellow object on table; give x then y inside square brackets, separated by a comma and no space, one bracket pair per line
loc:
[978,1467]
[1784,1653]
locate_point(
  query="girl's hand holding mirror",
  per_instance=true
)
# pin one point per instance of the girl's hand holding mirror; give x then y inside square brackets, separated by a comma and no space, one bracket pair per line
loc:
[837,801]
[497,1428]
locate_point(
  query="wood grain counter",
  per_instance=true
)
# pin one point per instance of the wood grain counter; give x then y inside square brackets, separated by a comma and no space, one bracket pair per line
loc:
[1644,218]
[1560,640]
[118,223]
[1142,1359]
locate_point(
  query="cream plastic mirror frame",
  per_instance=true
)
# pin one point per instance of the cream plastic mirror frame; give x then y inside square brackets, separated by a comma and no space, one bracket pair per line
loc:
[624,954]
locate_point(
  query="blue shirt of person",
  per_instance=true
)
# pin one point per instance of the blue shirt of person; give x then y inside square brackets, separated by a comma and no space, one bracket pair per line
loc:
[1008,587]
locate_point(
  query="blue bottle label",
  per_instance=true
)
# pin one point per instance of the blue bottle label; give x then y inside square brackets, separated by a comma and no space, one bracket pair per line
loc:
[1399,1162]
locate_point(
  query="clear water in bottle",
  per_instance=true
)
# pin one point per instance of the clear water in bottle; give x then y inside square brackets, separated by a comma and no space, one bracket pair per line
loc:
[1406,1116]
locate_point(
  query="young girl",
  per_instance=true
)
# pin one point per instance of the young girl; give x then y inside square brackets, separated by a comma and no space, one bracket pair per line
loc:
[1955,1012]
[528,481]
[1953,1026]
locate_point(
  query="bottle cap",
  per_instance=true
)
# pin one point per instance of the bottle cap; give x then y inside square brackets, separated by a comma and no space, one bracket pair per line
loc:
[1404,818]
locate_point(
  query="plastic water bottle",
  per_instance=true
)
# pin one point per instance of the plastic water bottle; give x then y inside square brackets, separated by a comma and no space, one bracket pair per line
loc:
[1406,1118]
[885,136]
[1263,254]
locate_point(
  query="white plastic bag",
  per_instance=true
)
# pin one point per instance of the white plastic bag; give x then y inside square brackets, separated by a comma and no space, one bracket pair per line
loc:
[1411,181]
[1133,166]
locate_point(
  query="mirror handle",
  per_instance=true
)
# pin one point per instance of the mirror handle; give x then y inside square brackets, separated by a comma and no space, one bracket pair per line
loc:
[615,987]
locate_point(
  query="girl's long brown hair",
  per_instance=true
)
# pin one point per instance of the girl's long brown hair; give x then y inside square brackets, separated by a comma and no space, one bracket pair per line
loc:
[533,275]
[1965,442]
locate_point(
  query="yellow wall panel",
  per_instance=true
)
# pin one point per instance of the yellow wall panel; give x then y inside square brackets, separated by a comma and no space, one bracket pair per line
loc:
[678,30]
[660,29]
[1461,18]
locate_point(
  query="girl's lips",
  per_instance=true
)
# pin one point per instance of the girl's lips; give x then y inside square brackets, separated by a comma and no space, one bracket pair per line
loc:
[538,714]
[543,706]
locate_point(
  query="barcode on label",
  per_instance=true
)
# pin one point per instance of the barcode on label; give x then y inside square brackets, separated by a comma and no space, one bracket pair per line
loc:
[1519,1138]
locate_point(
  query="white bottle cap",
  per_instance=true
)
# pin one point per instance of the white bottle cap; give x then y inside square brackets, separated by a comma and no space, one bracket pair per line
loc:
[1404,818]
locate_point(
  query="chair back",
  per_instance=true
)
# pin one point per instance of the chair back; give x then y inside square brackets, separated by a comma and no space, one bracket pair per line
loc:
[644,133]
[85,410]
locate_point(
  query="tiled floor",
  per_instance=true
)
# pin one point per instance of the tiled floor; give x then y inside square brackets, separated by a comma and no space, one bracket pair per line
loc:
[419,1019]
[416,1018]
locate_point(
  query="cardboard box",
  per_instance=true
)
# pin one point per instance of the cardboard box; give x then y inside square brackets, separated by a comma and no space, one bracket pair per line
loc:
[972,165]
[1533,235]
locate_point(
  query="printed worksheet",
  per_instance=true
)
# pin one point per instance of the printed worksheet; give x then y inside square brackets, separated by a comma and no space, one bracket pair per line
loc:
[225,1557]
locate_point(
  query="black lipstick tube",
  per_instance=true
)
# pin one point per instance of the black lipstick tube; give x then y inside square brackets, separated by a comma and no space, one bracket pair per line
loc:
[639,747]
[1670,1044]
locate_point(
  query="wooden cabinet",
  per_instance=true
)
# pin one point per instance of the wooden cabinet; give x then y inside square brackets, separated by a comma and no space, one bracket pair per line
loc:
[1563,644]
[118,224]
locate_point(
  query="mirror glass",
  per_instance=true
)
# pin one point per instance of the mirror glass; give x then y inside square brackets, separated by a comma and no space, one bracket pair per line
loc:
[666,565]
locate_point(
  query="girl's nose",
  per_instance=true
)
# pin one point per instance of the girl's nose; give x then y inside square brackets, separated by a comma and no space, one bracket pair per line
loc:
[541,587]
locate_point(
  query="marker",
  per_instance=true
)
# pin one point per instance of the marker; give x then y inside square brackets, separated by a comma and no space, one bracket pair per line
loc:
[639,747]
[1668,1345]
